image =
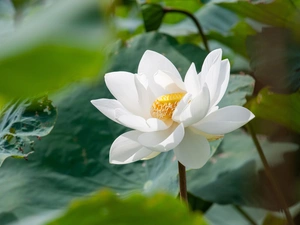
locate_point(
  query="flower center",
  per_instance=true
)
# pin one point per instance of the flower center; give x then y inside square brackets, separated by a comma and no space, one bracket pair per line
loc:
[164,106]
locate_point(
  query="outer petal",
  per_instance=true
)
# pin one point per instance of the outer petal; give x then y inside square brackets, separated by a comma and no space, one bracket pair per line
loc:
[212,77]
[181,106]
[126,149]
[225,120]
[122,86]
[163,141]
[222,82]
[145,95]
[169,83]
[141,124]
[193,151]
[196,109]
[151,156]
[109,107]
[211,59]
[192,81]
[152,62]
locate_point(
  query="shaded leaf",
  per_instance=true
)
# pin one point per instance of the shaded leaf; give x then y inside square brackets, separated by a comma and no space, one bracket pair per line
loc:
[228,215]
[235,38]
[276,67]
[235,168]
[238,88]
[172,18]
[7,218]
[211,17]
[22,121]
[198,204]
[287,108]
[279,13]
[152,16]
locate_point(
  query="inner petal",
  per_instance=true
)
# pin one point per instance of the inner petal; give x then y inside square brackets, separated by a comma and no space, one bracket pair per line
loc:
[164,106]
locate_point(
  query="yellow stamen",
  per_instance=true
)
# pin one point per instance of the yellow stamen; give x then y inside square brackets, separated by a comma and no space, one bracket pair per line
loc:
[164,106]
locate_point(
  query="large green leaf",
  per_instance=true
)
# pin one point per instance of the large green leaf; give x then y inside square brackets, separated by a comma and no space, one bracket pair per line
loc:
[231,176]
[60,44]
[235,38]
[173,18]
[152,16]
[228,215]
[276,67]
[21,121]
[211,18]
[106,208]
[287,108]
[279,13]
[238,88]
[73,160]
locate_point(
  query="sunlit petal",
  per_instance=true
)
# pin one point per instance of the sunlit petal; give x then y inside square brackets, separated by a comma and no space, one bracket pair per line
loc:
[225,120]
[126,149]
[163,140]
[122,86]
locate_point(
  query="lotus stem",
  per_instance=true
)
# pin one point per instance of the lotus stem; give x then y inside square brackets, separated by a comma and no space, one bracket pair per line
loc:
[182,183]
[278,193]
[190,15]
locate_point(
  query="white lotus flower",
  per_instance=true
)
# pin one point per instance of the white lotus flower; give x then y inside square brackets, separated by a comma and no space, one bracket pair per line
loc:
[167,113]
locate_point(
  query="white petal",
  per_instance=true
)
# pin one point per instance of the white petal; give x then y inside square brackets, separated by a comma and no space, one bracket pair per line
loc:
[152,62]
[211,79]
[196,109]
[225,120]
[151,156]
[191,81]
[222,82]
[193,151]
[145,95]
[122,87]
[140,123]
[212,58]
[168,82]
[126,149]
[109,106]
[163,140]
[181,106]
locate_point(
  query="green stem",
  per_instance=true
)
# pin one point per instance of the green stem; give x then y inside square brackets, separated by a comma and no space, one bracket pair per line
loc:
[244,214]
[190,15]
[276,189]
[182,183]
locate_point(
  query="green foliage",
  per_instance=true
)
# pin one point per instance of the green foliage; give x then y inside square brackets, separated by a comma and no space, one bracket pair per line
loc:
[287,108]
[173,18]
[228,215]
[152,16]
[278,13]
[235,168]
[278,67]
[7,217]
[235,38]
[21,120]
[106,208]
[73,160]
[60,44]
[239,87]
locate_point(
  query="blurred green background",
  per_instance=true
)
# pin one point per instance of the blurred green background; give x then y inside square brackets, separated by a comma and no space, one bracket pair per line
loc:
[63,48]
